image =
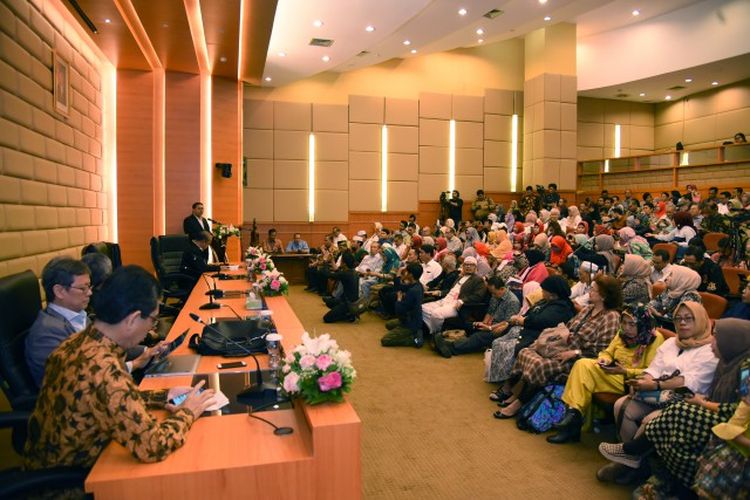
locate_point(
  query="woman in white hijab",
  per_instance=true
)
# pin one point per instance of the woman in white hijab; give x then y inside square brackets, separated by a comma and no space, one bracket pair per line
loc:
[573,218]
[682,286]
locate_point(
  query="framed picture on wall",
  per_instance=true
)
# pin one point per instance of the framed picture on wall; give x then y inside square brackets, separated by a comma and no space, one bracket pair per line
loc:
[61,84]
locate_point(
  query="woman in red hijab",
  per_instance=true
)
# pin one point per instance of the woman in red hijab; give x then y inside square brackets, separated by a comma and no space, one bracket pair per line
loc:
[560,249]
[519,236]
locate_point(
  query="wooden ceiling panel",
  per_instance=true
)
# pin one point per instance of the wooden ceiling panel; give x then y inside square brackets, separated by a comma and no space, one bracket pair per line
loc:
[257,27]
[114,38]
[166,24]
[221,24]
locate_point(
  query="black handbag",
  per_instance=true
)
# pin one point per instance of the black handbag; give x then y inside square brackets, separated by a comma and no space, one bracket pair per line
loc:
[212,343]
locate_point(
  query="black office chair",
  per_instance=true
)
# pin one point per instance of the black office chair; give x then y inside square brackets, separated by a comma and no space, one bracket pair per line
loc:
[111,250]
[166,256]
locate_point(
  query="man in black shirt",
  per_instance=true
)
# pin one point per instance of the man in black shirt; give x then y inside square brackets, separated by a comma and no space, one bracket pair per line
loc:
[195,222]
[406,330]
[712,278]
[195,257]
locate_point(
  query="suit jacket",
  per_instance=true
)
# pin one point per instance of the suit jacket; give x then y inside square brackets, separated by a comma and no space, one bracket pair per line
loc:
[473,290]
[195,262]
[192,227]
[49,330]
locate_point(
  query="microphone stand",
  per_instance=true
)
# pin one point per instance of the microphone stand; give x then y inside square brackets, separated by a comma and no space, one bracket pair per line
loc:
[210,304]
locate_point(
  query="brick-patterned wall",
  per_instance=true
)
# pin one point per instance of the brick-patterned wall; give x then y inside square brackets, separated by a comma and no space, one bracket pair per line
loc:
[52,200]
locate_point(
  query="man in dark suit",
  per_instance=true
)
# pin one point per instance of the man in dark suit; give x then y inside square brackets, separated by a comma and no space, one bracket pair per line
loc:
[195,257]
[195,222]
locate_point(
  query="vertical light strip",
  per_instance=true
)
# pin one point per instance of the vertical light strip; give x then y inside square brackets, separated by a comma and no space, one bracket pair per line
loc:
[311,179]
[241,48]
[109,139]
[384,169]
[685,158]
[452,156]
[513,153]
[606,166]
[159,153]
[206,190]
[618,130]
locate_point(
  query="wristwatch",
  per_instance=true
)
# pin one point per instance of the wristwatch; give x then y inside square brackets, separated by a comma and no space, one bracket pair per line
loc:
[578,353]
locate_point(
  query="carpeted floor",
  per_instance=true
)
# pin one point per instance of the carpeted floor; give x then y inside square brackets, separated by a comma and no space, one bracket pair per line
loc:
[428,430]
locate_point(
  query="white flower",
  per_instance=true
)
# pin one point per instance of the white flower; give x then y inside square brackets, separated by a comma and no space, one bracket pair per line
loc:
[291,383]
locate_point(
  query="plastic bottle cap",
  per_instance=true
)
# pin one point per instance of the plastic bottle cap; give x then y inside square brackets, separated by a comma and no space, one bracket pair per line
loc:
[273,337]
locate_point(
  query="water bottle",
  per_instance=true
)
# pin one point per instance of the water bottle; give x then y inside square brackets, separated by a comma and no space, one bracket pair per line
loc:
[273,345]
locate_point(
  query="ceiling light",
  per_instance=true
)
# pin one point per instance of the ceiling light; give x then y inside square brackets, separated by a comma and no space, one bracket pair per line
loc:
[282,54]
[407,42]
[462,12]
[326,58]
[668,98]
[688,80]
[714,83]
[223,59]
[317,23]
[642,94]
[543,2]
[370,28]
[413,51]
[636,12]
[481,40]
[547,18]
[165,25]
[108,20]
[480,31]
[268,78]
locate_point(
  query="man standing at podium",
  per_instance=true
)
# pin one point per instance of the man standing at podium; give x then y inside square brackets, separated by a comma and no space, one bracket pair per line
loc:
[195,222]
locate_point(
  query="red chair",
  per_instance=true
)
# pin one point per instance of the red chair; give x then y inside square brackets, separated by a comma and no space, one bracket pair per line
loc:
[671,249]
[714,304]
[711,240]
[732,277]
[658,288]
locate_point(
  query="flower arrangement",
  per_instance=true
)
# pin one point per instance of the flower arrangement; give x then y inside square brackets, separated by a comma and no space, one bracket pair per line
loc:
[273,283]
[261,265]
[253,253]
[223,233]
[317,370]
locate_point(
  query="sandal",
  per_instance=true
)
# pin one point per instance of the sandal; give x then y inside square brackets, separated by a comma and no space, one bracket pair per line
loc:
[499,396]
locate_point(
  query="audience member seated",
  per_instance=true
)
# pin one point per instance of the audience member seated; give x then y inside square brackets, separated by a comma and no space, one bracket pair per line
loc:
[682,430]
[440,287]
[503,305]
[682,286]
[661,266]
[632,243]
[634,274]
[342,308]
[68,288]
[741,309]
[195,257]
[320,267]
[629,353]
[536,270]
[551,356]
[579,293]
[297,245]
[431,269]
[100,266]
[391,264]
[406,329]
[72,422]
[680,234]
[712,278]
[560,250]
[338,237]
[469,289]
[553,309]
[686,360]
[272,244]
[369,269]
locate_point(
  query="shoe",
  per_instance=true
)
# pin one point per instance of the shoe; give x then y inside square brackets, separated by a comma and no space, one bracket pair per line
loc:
[418,341]
[614,453]
[499,395]
[516,404]
[611,472]
[571,417]
[631,477]
[441,346]
[569,428]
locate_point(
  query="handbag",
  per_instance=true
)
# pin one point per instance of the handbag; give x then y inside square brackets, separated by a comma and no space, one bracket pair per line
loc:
[659,398]
[552,341]
[211,343]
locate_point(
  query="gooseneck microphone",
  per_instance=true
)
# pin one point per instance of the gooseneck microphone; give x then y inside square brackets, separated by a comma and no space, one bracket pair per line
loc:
[210,304]
[212,221]
[279,431]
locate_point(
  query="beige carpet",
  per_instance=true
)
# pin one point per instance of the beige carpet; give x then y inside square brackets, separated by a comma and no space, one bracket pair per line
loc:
[428,430]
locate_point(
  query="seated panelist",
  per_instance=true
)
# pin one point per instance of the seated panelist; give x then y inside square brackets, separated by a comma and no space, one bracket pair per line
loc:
[195,257]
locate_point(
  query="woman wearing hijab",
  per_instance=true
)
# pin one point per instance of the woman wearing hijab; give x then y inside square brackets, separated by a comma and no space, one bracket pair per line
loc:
[634,275]
[681,234]
[573,218]
[536,270]
[686,360]
[541,243]
[511,266]
[682,430]
[501,245]
[632,243]
[519,236]
[629,353]
[583,228]
[579,293]
[559,251]
[682,286]
[471,236]
[590,331]
[554,308]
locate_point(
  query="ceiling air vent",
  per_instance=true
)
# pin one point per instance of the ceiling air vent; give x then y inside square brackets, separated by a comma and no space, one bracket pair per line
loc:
[676,87]
[492,14]
[622,96]
[363,53]
[321,42]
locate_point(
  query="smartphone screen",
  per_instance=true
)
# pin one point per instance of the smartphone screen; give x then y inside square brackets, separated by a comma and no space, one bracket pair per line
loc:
[178,400]
[744,382]
[234,364]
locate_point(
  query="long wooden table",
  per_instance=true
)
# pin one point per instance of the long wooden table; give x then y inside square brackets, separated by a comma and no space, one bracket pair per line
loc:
[235,456]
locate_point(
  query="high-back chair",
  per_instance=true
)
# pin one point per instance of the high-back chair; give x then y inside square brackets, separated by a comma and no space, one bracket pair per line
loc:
[714,304]
[111,250]
[671,249]
[734,276]
[166,256]
[711,240]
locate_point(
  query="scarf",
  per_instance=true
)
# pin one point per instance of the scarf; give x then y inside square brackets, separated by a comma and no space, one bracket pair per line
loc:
[681,281]
[604,245]
[541,241]
[560,250]
[701,333]
[733,344]
[585,227]
[645,334]
[635,266]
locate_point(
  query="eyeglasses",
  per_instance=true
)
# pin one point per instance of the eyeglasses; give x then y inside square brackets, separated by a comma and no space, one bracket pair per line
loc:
[154,320]
[684,319]
[82,288]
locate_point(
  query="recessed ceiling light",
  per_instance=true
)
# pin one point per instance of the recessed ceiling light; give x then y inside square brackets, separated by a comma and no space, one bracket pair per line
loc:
[688,80]
[370,28]
[668,98]
[407,42]
[413,51]
[317,23]
[282,54]
[714,83]
[481,40]
[165,25]
[223,59]
[462,12]
[108,20]
[636,12]
[268,78]
[480,31]
[642,94]
[547,18]
[542,2]
[326,58]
